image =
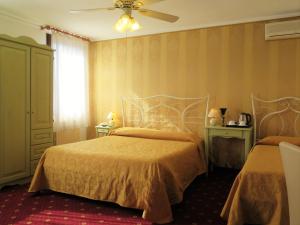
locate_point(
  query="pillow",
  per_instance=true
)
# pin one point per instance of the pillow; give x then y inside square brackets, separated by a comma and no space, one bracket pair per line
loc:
[275,140]
[155,134]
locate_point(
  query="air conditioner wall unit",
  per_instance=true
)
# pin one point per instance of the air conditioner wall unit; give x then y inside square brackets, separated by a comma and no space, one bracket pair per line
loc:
[282,30]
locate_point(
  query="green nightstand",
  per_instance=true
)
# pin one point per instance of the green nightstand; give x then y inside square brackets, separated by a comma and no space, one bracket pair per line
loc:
[229,132]
[103,130]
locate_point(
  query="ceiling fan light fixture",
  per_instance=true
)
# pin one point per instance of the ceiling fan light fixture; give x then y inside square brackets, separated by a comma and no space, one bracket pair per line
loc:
[127,22]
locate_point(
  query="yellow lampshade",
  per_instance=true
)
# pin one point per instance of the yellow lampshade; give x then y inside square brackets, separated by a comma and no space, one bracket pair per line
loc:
[112,119]
[111,116]
[213,113]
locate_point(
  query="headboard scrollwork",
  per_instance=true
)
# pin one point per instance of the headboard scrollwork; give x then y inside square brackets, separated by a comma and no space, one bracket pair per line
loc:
[276,117]
[165,112]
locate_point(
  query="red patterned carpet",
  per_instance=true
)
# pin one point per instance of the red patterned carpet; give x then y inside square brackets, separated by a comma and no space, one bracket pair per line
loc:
[202,204]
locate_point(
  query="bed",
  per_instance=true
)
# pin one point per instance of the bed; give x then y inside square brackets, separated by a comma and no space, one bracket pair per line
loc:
[138,166]
[259,194]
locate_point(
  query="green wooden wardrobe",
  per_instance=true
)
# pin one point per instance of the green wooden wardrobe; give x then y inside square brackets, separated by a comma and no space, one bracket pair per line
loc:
[26,113]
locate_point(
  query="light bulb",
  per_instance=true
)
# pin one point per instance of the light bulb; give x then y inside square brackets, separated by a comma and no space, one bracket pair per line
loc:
[119,27]
[134,25]
[123,23]
[125,19]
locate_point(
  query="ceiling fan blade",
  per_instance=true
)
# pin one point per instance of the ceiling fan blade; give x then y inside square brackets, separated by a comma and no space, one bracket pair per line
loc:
[141,3]
[91,10]
[148,2]
[158,15]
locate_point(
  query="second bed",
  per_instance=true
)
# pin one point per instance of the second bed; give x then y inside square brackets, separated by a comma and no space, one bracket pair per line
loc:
[259,193]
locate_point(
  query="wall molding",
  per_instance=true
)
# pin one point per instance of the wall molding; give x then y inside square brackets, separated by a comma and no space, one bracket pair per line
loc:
[13,17]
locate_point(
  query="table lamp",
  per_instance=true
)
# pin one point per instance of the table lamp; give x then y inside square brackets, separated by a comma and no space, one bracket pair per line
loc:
[213,115]
[112,117]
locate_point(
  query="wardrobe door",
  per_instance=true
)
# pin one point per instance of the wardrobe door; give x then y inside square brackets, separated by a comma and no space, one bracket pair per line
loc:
[41,88]
[14,111]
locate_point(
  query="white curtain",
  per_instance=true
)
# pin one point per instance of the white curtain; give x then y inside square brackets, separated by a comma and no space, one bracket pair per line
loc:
[71,91]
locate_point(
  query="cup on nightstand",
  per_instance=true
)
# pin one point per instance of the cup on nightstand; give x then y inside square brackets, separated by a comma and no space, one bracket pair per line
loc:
[231,123]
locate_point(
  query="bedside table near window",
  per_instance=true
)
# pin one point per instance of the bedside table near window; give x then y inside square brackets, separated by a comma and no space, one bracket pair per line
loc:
[103,130]
[229,132]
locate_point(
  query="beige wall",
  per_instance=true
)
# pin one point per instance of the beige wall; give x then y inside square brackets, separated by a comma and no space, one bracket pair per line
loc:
[15,28]
[228,63]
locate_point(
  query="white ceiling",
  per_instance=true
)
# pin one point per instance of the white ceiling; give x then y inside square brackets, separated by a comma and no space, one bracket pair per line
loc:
[192,13]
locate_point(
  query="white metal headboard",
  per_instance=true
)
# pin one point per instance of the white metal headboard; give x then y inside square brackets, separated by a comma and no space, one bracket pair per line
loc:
[165,112]
[276,117]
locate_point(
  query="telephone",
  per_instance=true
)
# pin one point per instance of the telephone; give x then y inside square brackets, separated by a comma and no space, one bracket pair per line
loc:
[104,124]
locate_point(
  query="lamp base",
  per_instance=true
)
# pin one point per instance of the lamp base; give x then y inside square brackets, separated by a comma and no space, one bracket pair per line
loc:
[213,121]
[111,123]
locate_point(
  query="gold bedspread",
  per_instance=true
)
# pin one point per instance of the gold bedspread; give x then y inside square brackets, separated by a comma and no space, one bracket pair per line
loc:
[136,172]
[259,195]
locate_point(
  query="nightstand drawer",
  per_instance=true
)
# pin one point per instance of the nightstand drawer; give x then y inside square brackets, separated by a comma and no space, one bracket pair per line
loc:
[38,150]
[103,130]
[227,133]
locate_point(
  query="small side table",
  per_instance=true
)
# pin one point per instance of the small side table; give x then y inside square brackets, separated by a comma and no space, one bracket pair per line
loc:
[229,132]
[103,130]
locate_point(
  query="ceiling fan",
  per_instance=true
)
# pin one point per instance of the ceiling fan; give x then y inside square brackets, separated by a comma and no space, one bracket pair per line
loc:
[126,21]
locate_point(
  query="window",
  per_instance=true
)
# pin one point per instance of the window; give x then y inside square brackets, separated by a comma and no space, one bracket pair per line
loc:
[71,91]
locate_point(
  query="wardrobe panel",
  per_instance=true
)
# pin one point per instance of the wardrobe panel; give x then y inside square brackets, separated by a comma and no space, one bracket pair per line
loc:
[14,111]
[41,88]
